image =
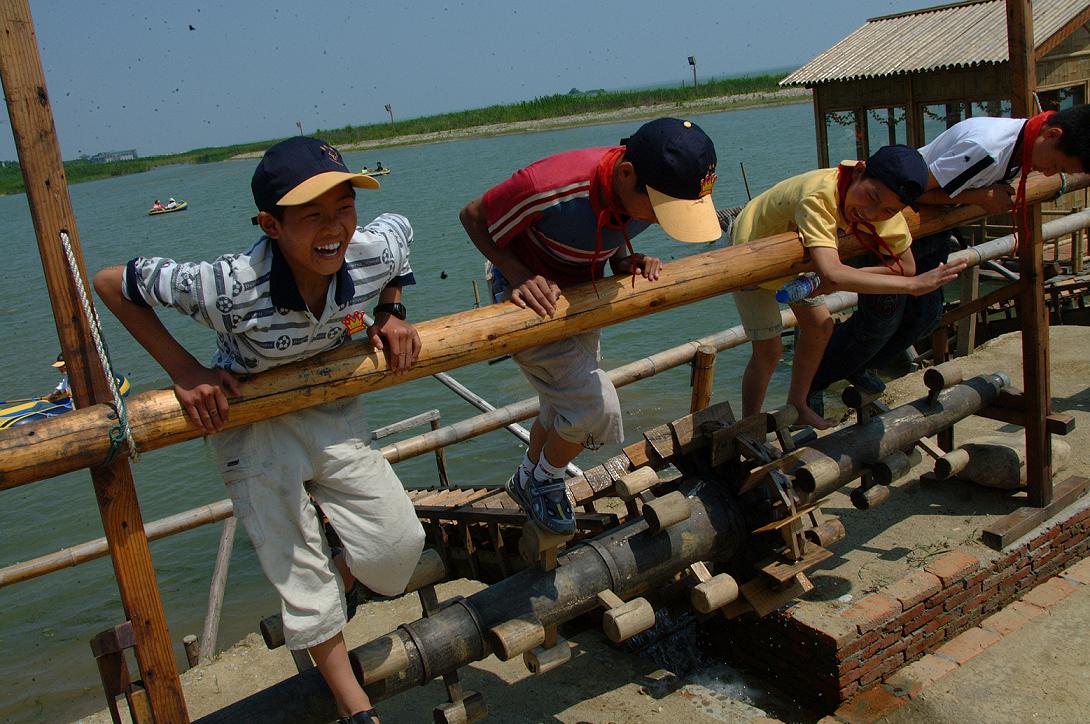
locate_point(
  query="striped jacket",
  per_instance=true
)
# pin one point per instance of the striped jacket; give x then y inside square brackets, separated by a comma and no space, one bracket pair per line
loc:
[252,302]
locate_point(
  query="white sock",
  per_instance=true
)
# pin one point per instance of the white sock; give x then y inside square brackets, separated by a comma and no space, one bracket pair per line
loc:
[526,469]
[546,470]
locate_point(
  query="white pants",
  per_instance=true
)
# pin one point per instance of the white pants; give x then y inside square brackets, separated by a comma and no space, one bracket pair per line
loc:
[272,467]
[577,398]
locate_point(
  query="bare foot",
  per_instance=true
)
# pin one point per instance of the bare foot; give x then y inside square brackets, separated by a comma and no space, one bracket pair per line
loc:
[808,417]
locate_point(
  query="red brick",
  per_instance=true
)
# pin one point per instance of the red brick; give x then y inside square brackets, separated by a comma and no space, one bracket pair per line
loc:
[872,611]
[938,622]
[954,601]
[953,566]
[880,646]
[916,623]
[1044,537]
[858,644]
[914,588]
[1004,622]
[912,679]
[889,665]
[1049,593]
[1044,560]
[868,665]
[968,644]
[1026,609]
[869,706]
[924,643]
[1079,572]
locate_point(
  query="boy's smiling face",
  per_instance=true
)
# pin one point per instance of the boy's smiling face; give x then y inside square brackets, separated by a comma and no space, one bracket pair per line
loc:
[869,200]
[314,236]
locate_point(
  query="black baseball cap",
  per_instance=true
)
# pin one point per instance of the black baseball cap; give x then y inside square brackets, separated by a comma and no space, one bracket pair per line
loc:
[902,168]
[676,160]
[299,170]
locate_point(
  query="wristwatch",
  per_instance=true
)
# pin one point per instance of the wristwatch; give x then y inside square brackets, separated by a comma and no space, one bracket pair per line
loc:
[395,308]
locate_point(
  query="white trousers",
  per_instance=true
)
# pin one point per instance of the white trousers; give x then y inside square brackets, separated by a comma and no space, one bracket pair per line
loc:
[272,467]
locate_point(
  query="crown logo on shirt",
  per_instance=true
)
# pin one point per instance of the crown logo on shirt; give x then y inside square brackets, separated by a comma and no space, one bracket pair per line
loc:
[354,322]
[708,183]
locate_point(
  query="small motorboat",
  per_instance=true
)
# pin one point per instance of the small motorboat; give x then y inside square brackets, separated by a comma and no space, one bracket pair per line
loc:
[375,171]
[36,409]
[180,206]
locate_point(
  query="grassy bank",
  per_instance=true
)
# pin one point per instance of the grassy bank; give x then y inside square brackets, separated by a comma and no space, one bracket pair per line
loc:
[11,179]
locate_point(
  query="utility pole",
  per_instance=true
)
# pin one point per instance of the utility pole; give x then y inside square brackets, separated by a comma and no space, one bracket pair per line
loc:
[390,110]
[692,62]
[299,125]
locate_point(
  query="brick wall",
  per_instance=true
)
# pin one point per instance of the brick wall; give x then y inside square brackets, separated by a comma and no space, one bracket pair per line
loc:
[825,655]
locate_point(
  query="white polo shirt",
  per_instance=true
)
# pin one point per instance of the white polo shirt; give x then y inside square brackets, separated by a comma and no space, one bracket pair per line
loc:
[252,302]
[974,153]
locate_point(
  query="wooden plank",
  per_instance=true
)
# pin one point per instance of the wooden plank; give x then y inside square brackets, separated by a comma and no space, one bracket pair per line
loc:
[781,570]
[1011,527]
[641,453]
[1057,423]
[742,436]
[688,432]
[764,599]
[777,524]
[661,440]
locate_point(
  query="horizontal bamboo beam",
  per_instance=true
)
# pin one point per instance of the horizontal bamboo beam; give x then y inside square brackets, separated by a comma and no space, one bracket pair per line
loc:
[79,439]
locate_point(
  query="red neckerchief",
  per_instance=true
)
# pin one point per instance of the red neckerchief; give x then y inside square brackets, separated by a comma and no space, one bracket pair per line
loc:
[868,236]
[609,216]
[1019,210]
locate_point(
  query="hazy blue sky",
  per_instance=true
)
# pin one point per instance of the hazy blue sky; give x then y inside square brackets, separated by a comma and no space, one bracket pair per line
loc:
[125,74]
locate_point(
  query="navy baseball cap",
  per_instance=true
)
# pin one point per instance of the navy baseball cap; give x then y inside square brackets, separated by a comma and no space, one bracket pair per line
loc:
[676,160]
[902,168]
[299,170]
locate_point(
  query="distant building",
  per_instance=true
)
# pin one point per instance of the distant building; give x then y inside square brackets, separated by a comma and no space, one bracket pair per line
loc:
[111,156]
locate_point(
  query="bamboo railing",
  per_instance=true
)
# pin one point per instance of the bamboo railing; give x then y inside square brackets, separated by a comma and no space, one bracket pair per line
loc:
[78,439]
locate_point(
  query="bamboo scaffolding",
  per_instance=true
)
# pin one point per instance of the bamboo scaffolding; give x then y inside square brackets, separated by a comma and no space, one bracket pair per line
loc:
[78,439]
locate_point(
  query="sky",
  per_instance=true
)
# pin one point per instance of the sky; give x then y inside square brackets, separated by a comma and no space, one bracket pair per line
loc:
[170,77]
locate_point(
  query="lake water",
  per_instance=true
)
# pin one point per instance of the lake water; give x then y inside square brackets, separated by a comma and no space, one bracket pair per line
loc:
[47,672]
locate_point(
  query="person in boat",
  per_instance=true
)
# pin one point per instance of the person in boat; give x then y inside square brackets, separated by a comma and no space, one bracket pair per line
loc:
[972,162]
[62,391]
[171,203]
[863,198]
[379,167]
[157,206]
[313,274]
[596,200]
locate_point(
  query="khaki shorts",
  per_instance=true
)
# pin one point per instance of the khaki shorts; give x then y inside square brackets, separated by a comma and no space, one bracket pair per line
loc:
[271,466]
[577,398]
[760,312]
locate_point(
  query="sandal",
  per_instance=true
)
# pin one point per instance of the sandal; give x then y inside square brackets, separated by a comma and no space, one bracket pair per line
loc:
[519,489]
[550,507]
[360,717]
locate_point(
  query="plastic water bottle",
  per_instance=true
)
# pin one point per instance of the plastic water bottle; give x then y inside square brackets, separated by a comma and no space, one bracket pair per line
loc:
[798,288]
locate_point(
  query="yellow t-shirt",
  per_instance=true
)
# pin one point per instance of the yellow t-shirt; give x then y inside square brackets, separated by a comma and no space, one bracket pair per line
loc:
[808,204]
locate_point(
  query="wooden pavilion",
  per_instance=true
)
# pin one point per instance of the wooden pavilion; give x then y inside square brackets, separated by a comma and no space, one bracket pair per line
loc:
[905,78]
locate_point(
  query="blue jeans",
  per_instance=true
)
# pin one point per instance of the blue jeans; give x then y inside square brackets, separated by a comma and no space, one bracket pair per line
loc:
[883,326]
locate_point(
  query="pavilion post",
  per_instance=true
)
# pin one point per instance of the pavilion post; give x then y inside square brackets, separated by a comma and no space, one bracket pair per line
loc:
[1032,310]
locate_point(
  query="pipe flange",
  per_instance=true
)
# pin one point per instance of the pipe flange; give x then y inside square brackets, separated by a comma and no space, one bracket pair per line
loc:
[607,558]
[421,652]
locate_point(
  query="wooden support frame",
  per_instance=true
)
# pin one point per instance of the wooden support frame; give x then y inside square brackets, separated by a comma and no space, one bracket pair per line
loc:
[31,115]
[1032,309]
[1011,527]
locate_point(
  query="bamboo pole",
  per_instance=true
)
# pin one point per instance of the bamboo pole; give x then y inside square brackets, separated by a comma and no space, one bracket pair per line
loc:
[1032,310]
[216,589]
[31,117]
[78,439]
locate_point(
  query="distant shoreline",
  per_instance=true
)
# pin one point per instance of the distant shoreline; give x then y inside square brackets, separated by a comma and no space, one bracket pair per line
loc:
[785,96]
